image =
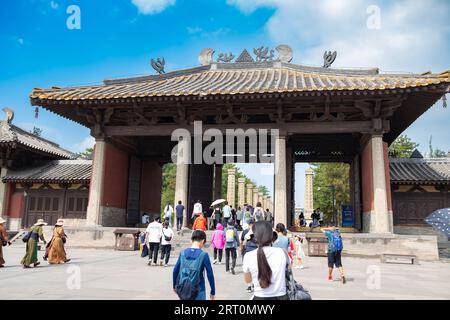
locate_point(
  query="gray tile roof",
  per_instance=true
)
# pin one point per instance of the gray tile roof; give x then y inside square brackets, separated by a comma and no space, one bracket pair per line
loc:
[10,134]
[239,78]
[415,171]
[56,171]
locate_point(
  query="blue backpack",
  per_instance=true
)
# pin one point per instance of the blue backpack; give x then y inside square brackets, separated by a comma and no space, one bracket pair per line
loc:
[337,241]
[188,280]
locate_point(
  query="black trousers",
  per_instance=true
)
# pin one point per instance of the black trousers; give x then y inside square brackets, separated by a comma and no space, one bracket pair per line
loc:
[179,223]
[153,248]
[230,252]
[220,251]
[165,252]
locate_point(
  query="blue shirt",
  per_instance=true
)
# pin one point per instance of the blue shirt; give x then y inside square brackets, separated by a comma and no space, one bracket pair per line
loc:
[282,242]
[179,209]
[193,253]
[329,235]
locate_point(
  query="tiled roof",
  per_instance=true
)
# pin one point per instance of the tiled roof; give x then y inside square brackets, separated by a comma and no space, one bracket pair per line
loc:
[412,171]
[240,78]
[56,171]
[10,134]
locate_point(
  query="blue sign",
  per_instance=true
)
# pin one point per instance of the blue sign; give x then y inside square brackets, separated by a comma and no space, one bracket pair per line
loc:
[347,216]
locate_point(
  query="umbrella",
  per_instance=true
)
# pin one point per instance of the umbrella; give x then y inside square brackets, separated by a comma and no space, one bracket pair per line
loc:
[440,220]
[218,201]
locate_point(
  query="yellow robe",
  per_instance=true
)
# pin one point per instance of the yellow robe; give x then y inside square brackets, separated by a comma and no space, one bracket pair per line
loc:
[56,253]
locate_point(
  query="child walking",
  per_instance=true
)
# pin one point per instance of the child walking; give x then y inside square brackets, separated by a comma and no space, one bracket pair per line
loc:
[218,242]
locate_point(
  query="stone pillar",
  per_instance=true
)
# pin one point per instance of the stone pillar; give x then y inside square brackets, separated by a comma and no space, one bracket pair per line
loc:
[217,181]
[375,197]
[255,196]
[249,193]
[241,192]
[182,177]
[231,187]
[309,192]
[3,193]
[280,180]
[93,215]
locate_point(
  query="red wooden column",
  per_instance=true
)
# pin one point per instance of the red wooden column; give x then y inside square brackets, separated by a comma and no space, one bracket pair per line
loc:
[376,196]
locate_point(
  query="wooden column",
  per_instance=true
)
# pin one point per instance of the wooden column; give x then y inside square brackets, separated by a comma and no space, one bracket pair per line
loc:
[96,188]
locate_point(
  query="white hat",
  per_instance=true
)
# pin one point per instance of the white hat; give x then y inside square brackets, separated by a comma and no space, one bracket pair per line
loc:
[59,223]
[40,222]
[2,220]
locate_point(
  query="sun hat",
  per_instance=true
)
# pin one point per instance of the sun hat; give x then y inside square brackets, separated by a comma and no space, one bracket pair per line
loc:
[2,220]
[59,223]
[40,222]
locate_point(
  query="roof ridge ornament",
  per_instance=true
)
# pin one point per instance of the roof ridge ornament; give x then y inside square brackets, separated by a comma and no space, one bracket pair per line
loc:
[263,54]
[206,56]
[244,57]
[328,58]
[285,53]
[158,65]
[9,114]
[226,58]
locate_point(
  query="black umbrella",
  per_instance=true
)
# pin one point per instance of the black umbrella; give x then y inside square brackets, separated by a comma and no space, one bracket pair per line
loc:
[440,220]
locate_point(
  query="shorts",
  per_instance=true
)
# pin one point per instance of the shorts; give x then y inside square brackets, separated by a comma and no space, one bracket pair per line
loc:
[334,259]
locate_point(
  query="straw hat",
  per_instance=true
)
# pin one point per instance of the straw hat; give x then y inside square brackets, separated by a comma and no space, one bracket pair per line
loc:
[40,222]
[59,223]
[2,220]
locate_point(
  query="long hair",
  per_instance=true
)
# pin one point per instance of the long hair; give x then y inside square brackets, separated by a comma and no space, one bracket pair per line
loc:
[263,237]
[281,228]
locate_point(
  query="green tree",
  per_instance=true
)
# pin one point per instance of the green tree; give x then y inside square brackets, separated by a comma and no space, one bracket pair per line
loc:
[403,147]
[87,154]
[435,153]
[326,175]
[169,174]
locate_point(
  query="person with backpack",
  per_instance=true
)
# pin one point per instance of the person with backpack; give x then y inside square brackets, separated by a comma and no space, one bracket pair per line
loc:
[266,266]
[247,218]
[231,245]
[269,216]
[258,213]
[334,251]
[166,246]
[153,238]
[218,243]
[188,273]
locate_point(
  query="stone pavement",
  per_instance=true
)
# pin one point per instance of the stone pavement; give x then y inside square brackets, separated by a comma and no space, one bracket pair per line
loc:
[108,274]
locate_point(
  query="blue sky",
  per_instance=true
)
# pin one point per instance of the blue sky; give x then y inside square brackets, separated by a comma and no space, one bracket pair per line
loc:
[118,37]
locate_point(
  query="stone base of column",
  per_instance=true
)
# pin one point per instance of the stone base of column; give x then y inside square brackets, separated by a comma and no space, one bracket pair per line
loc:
[373,224]
[13,224]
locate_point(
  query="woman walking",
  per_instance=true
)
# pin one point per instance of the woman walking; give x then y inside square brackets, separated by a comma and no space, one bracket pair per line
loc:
[218,243]
[166,245]
[266,266]
[3,240]
[282,239]
[56,251]
[200,223]
[33,235]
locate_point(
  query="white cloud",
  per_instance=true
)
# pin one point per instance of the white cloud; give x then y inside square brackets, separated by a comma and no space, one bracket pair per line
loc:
[413,35]
[54,5]
[193,30]
[87,142]
[152,6]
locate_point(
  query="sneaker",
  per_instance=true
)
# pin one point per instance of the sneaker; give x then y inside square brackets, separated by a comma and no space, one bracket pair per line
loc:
[343,280]
[149,263]
[330,278]
[36,264]
[232,271]
[220,262]
[249,289]
[302,267]
[297,267]
[166,265]
[215,261]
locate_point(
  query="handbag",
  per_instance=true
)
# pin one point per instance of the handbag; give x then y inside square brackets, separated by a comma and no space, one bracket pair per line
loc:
[166,237]
[294,290]
[27,236]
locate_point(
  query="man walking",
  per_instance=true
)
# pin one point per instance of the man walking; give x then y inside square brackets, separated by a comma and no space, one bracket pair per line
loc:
[188,273]
[153,238]
[335,247]
[269,217]
[231,245]
[179,209]
[226,210]
[198,209]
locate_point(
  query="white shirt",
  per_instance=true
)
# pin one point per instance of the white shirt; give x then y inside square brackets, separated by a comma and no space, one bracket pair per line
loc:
[320,215]
[276,258]
[168,233]
[198,208]
[168,210]
[154,231]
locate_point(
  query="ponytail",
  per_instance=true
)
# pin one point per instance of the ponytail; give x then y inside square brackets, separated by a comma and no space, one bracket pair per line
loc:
[262,231]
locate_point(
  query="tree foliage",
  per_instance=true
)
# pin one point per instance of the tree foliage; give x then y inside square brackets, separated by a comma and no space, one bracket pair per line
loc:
[87,154]
[403,147]
[325,176]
